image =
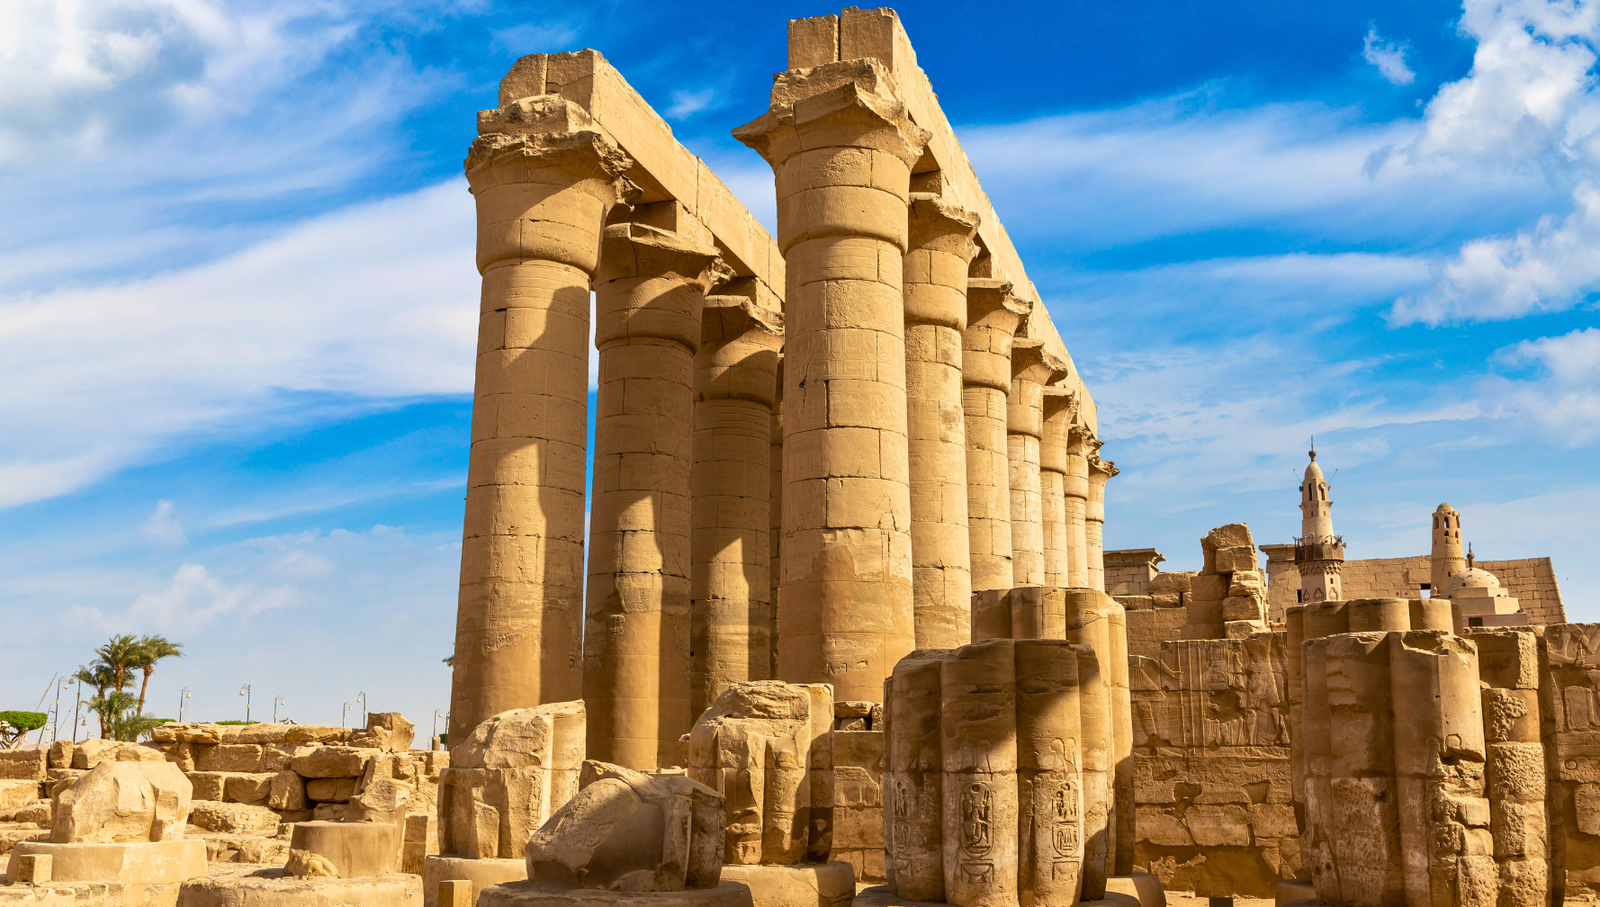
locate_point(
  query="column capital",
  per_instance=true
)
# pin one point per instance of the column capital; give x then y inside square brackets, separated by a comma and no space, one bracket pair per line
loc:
[652,283]
[1101,470]
[854,104]
[990,300]
[739,350]
[942,226]
[1059,406]
[1031,362]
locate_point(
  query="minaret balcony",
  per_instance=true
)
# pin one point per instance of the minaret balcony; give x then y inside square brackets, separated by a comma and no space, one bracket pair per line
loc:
[1319,548]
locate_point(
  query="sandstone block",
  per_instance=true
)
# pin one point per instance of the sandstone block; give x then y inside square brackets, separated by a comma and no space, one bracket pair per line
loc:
[1209,588]
[330,790]
[1246,584]
[14,794]
[1242,607]
[317,733]
[208,785]
[1167,600]
[33,869]
[228,757]
[1218,826]
[61,754]
[355,849]
[23,765]
[287,792]
[1233,535]
[1171,583]
[1241,629]
[234,818]
[329,762]
[331,812]
[630,831]
[123,801]
[1240,559]
[248,788]
[1138,602]
[1273,820]
[387,731]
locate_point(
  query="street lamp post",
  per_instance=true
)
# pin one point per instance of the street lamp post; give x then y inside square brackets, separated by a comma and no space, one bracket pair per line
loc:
[362,698]
[437,714]
[181,697]
[245,692]
[342,713]
[55,712]
[276,701]
[75,708]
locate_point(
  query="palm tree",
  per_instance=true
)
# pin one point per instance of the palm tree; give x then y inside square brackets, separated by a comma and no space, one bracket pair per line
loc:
[151,649]
[101,678]
[121,654]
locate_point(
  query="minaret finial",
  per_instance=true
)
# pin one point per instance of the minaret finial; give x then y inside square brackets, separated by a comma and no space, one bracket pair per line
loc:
[1313,450]
[1469,555]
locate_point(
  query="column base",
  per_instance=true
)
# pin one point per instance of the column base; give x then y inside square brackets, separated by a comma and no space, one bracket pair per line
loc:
[278,890]
[523,894]
[482,874]
[881,896]
[358,850]
[831,884]
[1141,885]
[127,863]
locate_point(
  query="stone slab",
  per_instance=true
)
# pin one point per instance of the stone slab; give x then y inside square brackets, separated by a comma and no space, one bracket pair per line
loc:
[278,890]
[523,894]
[125,863]
[1142,886]
[438,868]
[831,884]
[88,894]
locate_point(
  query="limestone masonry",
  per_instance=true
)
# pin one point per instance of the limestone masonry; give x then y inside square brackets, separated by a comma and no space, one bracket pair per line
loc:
[832,624]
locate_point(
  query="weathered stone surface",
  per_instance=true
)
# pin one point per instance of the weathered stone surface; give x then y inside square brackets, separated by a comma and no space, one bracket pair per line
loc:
[387,731]
[121,801]
[753,746]
[330,790]
[228,757]
[234,818]
[287,792]
[511,773]
[628,831]
[18,793]
[248,788]
[329,762]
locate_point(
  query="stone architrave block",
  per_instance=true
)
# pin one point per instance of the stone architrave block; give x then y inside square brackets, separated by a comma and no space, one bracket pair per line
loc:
[123,801]
[753,746]
[319,761]
[629,831]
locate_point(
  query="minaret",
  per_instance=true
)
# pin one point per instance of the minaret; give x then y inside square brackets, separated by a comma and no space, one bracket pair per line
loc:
[1318,553]
[1446,560]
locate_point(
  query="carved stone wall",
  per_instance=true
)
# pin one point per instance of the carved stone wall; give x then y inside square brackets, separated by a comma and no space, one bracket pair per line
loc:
[1211,746]
[1570,701]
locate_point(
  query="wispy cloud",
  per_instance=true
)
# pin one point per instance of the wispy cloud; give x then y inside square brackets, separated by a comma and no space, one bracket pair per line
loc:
[163,529]
[373,303]
[1388,57]
[1562,396]
[688,103]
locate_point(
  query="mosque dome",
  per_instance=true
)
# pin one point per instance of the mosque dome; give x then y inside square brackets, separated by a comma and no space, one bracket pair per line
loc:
[1473,578]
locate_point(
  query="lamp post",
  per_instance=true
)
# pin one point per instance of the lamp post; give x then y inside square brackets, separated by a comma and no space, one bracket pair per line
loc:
[55,712]
[342,713]
[75,708]
[437,714]
[276,701]
[181,697]
[362,698]
[245,692]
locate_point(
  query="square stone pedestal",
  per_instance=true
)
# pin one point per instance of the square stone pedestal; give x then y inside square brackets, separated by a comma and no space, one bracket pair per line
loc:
[523,894]
[358,850]
[831,884]
[130,863]
[278,890]
[483,873]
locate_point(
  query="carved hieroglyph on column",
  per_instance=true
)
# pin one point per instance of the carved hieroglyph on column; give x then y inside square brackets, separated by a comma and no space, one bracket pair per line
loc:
[1032,367]
[993,316]
[941,248]
[1080,443]
[1059,407]
[984,774]
[1095,520]
[731,611]
[842,160]
[648,298]
[1098,621]
[542,202]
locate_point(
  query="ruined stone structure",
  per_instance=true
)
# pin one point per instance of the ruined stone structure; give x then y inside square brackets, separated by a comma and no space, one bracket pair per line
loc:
[809,451]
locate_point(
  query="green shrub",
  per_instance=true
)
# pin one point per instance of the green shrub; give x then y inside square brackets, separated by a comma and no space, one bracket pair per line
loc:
[25,721]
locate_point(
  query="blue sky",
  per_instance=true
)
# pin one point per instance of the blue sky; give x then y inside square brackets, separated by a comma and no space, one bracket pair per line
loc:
[237,301]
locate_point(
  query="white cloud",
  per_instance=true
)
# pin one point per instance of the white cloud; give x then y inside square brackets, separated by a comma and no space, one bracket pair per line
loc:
[192,599]
[1529,103]
[163,529]
[686,103]
[373,303]
[1388,57]
[1563,397]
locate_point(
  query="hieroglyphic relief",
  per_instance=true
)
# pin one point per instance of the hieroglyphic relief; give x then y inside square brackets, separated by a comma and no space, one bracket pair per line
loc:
[1570,698]
[1211,735]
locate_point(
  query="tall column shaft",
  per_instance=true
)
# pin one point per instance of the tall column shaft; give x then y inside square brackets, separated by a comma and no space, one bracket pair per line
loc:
[993,316]
[1075,482]
[1095,520]
[1031,369]
[518,621]
[775,508]
[842,161]
[1059,407]
[935,272]
[731,608]
[648,300]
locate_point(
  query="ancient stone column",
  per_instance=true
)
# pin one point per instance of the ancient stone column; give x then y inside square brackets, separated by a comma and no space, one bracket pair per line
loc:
[1097,620]
[648,299]
[913,780]
[1059,407]
[941,248]
[542,201]
[1075,483]
[1049,774]
[842,161]
[730,608]
[775,507]
[993,316]
[979,749]
[1031,369]
[1094,708]
[1095,519]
